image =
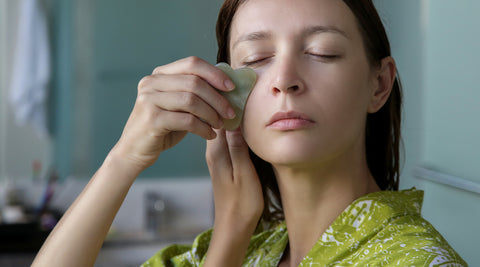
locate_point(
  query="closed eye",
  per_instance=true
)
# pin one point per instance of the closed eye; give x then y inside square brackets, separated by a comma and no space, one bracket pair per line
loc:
[253,62]
[324,56]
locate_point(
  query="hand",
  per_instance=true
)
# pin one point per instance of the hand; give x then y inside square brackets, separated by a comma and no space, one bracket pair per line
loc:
[176,99]
[236,186]
[238,198]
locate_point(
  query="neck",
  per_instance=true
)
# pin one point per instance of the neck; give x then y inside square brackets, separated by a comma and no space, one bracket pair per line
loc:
[313,198]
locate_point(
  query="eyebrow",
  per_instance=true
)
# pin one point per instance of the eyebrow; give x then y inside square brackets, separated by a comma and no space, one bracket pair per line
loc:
[254,36]
[307,32]
[323,29]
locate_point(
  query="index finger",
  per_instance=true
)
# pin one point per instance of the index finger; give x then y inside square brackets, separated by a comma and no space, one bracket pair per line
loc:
[199,67]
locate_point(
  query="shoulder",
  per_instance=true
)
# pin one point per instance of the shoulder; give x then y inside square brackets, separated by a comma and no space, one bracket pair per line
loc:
[412,241]
[407,239]
[387,229]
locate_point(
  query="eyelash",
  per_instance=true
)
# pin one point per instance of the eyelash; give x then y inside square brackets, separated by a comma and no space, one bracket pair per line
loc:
[321,56]
[324,57]
[253,62]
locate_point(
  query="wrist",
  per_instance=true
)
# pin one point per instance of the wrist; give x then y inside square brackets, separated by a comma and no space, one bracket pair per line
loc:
[242,224]
[122,165]
[229,243]
[238,215]
[234,232]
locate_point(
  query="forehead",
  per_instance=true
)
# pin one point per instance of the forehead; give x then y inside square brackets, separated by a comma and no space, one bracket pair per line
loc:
[289,16]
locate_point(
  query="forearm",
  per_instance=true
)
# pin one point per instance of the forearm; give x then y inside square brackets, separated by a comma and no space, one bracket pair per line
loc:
[229,244]
[78,237]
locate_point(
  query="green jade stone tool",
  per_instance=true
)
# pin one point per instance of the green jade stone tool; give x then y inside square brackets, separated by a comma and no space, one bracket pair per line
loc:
[244,80]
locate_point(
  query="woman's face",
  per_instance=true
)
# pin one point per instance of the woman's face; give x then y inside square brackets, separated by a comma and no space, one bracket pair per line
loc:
[314,84]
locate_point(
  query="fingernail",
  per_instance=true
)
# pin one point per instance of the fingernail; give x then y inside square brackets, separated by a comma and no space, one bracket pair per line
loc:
[231,113]
[220,124]
[229,85]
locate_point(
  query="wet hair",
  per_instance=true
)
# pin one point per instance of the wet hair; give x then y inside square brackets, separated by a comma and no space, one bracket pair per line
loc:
[382,130]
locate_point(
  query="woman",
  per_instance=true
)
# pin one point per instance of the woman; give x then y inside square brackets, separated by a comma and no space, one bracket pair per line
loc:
[322,124]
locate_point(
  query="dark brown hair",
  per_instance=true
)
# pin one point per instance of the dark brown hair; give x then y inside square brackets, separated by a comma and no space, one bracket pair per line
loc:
[382,138]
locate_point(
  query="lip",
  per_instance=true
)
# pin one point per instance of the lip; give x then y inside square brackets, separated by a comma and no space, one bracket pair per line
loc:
[290,120]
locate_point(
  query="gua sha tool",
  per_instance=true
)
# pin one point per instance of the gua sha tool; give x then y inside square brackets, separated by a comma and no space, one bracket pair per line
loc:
[244,80]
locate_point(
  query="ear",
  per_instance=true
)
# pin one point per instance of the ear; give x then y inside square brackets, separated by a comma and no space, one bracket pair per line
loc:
[383,81]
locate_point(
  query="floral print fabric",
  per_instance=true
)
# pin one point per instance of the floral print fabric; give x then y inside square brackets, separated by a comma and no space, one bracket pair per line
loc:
[380,229]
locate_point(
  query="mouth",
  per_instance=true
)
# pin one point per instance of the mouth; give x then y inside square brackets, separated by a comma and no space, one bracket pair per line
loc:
[290,120]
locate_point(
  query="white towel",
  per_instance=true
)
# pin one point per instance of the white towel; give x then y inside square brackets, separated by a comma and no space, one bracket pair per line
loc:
[31,67]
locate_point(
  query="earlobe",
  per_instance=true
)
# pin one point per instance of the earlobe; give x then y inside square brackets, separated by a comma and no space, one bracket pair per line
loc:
[384,79]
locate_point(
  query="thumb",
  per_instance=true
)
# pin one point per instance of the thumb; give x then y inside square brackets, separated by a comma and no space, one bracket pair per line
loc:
[238,148]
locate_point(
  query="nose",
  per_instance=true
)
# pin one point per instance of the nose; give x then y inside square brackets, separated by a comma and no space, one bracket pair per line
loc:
[287,78]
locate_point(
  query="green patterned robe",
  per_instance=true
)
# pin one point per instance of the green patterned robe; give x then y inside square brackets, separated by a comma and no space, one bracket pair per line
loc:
[380,229]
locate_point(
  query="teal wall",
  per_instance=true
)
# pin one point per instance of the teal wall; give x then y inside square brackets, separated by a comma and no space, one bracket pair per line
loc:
[452,124]
[435,44]
[128,40]
[131,38]
[62,86]
[452,103]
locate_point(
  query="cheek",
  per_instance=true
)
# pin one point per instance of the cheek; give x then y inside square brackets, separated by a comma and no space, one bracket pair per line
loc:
[348,87]
[255,117]
[252,107]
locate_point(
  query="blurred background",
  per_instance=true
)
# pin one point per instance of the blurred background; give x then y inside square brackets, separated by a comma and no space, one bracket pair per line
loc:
[68,76]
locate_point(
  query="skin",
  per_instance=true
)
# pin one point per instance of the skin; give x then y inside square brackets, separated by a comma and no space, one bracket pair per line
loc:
[175,99]
[320,166]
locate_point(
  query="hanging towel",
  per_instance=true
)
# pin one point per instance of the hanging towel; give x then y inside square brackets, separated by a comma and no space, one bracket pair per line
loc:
[31,67]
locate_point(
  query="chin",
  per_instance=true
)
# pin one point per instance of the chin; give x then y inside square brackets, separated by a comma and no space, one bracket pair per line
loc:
[292,148]
[295,155]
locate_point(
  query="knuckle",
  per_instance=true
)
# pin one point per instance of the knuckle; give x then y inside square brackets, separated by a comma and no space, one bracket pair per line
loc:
[189,121]
[189,99]
[210,158]
[194,82]
[144,82]
[142,99]
[158,70]
[193,61]
[213,160]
